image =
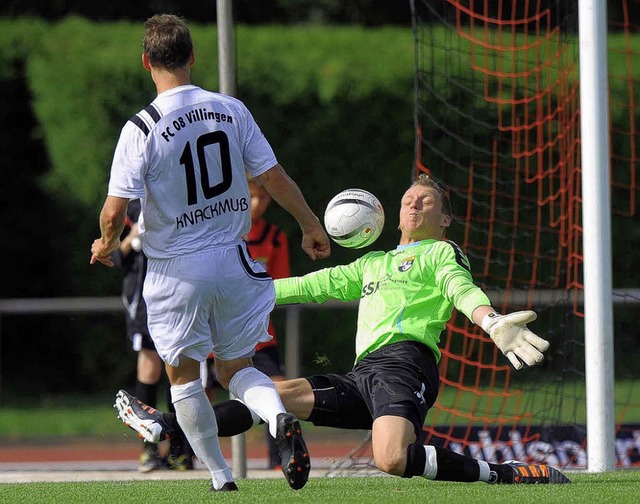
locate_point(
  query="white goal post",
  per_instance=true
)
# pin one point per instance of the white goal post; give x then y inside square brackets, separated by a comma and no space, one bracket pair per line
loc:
[596,235]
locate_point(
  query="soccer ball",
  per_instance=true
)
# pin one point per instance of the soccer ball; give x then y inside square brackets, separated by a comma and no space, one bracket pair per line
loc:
[354,218]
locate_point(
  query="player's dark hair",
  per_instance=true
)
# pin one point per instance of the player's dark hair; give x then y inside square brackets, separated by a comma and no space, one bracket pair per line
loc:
[167,41]
[425,180]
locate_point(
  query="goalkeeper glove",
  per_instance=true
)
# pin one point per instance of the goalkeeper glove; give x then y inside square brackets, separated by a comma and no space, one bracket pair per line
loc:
[511,336]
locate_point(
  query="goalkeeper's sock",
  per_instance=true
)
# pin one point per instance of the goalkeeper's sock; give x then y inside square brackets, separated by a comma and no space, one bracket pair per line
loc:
[147,393]
[452,466]
[417,462]
[234,418]
[445,465]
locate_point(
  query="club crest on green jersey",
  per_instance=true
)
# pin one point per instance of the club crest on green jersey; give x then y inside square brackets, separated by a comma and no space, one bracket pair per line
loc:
[406,264]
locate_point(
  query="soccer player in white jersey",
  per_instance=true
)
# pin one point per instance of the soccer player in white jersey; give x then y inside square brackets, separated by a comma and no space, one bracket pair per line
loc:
[406,295]
[187,156]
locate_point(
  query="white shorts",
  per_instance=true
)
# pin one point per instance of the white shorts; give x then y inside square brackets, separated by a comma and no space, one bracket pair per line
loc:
[217,300]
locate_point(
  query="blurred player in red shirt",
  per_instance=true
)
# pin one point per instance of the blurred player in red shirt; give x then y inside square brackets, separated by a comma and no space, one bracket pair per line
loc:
[268,245]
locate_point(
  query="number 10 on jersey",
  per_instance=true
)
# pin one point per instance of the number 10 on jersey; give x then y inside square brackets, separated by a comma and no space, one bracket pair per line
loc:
[223,162]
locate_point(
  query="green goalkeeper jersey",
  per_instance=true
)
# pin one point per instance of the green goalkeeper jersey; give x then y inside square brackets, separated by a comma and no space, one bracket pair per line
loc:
[406,294]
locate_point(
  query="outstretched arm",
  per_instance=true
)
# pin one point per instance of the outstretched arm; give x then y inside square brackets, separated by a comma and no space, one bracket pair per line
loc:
[508,332]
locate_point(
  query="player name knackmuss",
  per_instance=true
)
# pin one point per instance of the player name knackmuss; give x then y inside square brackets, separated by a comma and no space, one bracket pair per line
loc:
[211,211]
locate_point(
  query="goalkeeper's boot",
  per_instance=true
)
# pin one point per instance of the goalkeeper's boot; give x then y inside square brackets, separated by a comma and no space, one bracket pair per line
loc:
[531,474]
[296,464]
[148,422]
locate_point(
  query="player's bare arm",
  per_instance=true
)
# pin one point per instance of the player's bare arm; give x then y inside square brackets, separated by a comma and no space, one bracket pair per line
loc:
[287,194]
[112,219]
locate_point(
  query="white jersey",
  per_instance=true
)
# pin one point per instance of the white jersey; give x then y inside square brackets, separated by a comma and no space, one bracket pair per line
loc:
[185,157]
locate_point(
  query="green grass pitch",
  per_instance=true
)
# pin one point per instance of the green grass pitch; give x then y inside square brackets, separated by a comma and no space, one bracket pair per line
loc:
[620,487]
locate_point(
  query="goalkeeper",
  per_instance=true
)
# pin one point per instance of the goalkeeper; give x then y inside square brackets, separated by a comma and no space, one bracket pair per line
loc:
[406,297]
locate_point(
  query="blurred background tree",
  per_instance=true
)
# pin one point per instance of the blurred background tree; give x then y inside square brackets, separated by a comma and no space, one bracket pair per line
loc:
[361,12]
[329,82]
[320,93]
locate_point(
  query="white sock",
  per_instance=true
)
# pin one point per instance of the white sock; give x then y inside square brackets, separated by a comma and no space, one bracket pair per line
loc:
[431,463]
[258,393]
[198,421]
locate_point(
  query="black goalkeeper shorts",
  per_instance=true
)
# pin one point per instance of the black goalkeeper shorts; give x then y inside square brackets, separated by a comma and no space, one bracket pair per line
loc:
[401,379]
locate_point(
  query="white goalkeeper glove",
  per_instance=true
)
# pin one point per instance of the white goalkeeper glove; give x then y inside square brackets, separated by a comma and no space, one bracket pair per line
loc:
[511,336]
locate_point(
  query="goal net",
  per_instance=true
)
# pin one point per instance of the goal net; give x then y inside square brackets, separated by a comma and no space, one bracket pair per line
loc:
[497,121]
[497,118]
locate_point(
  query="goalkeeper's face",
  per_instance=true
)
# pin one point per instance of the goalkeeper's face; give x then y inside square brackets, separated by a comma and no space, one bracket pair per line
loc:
[421,215]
